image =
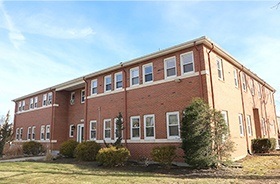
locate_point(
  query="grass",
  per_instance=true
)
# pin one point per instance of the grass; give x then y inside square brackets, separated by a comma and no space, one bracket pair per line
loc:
[256,169]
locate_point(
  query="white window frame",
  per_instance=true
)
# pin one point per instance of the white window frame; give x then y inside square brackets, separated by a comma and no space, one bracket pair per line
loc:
[105,83]
[35,102]
[132,128]
[31,103]
[49,100]
[17,134]
[23,105]
[225,116]
[241,126]
[44,101]
[168,125]
[48,132]
[249,125]
[144,74]
[132,70]
[42,132]
[173,60]
[19,106]
[235,76]
[244,83]
[72,98]
[29,133]
[115,129]
[21,133]
[220,68]
[71,130]
[94,87]
[92,130]
[83,96]
[33,133]
[189,62]
[145,126]
[107,129]
[118,81]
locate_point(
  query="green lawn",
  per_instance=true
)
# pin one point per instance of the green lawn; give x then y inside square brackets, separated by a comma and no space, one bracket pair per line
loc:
[261,169]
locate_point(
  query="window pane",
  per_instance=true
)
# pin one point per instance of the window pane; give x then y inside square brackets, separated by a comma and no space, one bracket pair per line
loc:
[135,132]
[188,67]
[108,87]
[173,131]
[149,121]
[171,72]
[173,119]
[135,73]
[148,69]
[135,123]
[93,134]
[119,77]
[150,132]
[135,80]
[107,133]
[187,58]
[108,80]
[107,124]
[119,84]
[148,77]
[170,63]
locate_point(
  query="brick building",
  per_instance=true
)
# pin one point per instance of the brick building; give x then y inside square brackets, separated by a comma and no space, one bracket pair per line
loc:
[151,92]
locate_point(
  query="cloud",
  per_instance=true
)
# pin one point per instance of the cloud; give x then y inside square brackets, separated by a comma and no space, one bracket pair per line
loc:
[15,35]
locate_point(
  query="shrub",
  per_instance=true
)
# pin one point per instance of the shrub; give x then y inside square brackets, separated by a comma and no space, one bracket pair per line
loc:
[67,148]
[13,151]
[112,156]
[164,155]
[32,148]
[263,145]
[87,151]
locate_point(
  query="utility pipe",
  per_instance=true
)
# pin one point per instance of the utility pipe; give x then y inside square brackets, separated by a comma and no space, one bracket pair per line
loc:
[199,71]
[210,71]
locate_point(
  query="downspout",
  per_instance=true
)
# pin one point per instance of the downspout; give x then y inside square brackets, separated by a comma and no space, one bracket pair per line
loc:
[210,71]
[125,106]
[243,110]
[53,119]
[86,109]
[199,71]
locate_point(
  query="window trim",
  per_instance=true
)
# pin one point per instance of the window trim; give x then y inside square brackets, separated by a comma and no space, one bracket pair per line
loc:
[48,131]
[220,63]
[115,81]
[145,126]
[90,129]
[83,96]
[71,130]
[165,67]
[131,128]
[182,64]
[168,125]
[105,84]
[144,74]
[92,87]
[131,78]
[241,125]
[104,129]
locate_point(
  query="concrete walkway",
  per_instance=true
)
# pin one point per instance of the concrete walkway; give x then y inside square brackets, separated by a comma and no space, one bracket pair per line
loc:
[23,159]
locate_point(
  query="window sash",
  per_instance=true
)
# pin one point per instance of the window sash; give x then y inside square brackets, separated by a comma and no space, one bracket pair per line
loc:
[173,124]
[107,129]
[42,133]
[36,102]
[235,77]
[148,73]
[249,126]
[135,127]
[94,87]
[187,62]
[93,126]
[149,126]
[240,120]
[134,76]
[48,132]
[108,83]
[170,67]
[220,68]
[83,93]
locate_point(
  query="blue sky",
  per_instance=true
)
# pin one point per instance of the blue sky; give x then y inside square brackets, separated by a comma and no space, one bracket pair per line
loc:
[45,43]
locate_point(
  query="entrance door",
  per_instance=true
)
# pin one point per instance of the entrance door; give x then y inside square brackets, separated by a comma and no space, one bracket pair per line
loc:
[80,132]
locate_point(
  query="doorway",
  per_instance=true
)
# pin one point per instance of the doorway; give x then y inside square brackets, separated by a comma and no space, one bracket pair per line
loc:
[80,132]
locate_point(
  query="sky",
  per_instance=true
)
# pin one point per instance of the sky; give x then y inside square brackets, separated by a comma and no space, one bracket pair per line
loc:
[44,43]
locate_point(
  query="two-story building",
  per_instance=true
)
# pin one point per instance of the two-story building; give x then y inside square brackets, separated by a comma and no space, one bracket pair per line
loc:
[151,93]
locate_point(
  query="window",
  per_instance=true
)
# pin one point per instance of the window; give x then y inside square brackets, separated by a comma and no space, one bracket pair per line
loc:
[94,87]
[36,102]
[148,73]
[249,126]
[92,133]
[135,127]
[49,98]
[44,103]
[19,106]
[149,123]
[118,80]
[72,98]
[116,129]
[107,129]
[23,105]
[225,117]
[173,124]
[263,126]
[71,130]
[240,120]
[33,133]
[220,68]
[108,83]
[170,67]
[42,133]
[259,90]
[134,76]
[20,133]
[187,64]
[17,134]
[252,87]
[83,94]
[29,133]
[235,75]
[31,105]
[243,79]
[48,132]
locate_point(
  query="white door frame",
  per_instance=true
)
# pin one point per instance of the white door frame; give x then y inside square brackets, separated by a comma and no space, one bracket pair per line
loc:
[80,132]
